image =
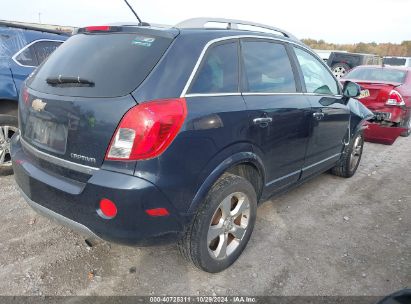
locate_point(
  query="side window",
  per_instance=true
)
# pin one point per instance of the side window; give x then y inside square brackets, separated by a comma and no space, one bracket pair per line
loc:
[317,78]
[36,53]
[43,49]
[218,72]
[267,68]
[27,57]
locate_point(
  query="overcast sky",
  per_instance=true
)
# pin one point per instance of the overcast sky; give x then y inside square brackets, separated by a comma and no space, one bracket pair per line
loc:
[342,21]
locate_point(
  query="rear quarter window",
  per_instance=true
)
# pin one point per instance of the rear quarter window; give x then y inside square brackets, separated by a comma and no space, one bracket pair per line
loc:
[36,52]
[115,63]
[44,49]
[27,57]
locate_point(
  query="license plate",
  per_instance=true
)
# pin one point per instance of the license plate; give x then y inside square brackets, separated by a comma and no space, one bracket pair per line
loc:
[364,94]
[46,134]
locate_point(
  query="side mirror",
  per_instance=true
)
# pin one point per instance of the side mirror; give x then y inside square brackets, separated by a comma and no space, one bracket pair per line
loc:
[351,89]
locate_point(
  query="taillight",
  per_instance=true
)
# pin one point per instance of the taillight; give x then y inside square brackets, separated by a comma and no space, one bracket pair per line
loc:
[395,99]
[25,95]
[147,130]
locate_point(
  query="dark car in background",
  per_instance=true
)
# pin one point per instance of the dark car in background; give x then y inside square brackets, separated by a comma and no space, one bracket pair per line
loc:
[386,90]
[341,63]
[176,134]
[397,61]
[22,49]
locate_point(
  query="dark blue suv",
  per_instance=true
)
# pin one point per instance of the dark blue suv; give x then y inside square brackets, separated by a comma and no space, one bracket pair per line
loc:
[22,49]
[143,135]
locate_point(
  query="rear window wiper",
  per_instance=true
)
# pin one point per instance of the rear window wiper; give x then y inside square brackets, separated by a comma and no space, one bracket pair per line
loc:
[61,80]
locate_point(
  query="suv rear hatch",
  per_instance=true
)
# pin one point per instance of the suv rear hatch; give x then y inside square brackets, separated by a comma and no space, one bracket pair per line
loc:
[73,103]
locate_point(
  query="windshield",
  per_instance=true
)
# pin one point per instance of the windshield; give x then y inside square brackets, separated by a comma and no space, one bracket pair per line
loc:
[113,64]
[377,74]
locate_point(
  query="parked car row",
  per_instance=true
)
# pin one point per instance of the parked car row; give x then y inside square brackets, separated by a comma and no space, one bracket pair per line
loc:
[386,90]
[22,49]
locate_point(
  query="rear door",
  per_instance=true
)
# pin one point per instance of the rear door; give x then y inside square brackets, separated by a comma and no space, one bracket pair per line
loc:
[329,117]
[278,111]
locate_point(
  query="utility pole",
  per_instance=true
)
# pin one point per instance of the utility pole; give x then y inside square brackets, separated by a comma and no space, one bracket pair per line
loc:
[39,17]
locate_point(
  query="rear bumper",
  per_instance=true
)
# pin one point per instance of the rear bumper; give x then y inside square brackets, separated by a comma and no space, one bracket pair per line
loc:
[75,204]
[73,225]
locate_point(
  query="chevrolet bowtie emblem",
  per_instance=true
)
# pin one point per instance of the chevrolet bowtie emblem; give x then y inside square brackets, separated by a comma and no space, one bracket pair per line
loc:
[38,105]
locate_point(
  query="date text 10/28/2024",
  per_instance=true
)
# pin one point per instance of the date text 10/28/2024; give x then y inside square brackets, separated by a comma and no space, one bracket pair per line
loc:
[203,299]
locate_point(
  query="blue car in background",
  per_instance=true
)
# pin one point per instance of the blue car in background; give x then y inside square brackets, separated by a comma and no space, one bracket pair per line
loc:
[22,49]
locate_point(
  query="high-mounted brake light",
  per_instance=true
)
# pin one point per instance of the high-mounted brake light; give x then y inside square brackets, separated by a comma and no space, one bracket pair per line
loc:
[395,99]
[98,28]
[147,130]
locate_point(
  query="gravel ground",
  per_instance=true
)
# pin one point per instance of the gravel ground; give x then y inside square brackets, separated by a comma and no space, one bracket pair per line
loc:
[330,236]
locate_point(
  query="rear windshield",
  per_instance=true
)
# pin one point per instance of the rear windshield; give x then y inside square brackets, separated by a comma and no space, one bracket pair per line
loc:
[112,64]
[377,74]
[395,61]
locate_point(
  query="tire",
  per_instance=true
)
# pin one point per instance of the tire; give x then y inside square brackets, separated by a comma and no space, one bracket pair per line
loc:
[8,126]
[340,69]
[202,244]
[407,125]
[350,160]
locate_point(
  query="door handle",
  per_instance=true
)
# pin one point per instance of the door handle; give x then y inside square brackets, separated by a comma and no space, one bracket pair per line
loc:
[318,115]
[262,121]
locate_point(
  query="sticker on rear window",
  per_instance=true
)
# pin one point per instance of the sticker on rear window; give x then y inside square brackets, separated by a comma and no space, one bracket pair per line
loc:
[143,41]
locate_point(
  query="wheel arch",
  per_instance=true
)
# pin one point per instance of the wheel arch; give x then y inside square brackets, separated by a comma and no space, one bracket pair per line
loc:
[244,164]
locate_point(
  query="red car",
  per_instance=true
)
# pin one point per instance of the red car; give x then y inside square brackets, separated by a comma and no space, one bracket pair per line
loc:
[386,90]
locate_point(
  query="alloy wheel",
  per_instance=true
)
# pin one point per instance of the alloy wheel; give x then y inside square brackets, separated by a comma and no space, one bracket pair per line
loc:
[228,225]
[339,72]
[6,132]
[356,153]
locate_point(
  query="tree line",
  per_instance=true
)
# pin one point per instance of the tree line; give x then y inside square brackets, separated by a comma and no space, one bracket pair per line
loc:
[382,49]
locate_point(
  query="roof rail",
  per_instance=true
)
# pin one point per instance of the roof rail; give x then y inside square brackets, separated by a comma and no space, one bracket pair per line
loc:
[231,24]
